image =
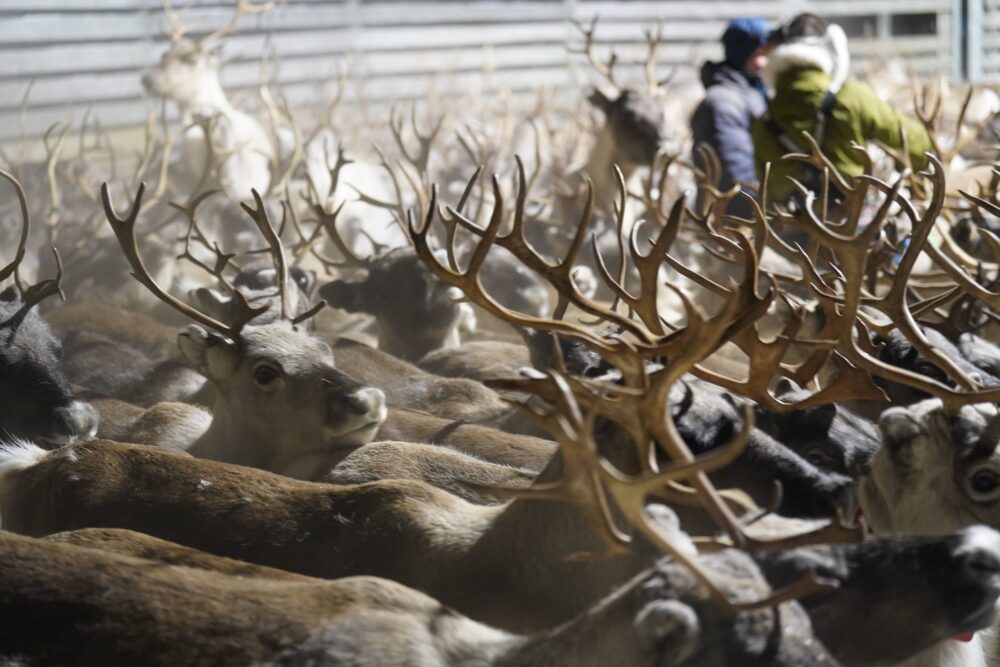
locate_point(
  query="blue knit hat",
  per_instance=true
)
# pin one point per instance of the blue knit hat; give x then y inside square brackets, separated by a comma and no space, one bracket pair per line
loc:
[743,36]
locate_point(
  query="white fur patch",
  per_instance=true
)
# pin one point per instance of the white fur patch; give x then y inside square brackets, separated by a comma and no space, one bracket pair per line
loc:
[980,538]
[791,56]
[950,653]
[829,53]
[16,455]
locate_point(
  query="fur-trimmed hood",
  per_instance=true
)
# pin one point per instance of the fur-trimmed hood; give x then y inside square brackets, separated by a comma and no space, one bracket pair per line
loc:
[828,53]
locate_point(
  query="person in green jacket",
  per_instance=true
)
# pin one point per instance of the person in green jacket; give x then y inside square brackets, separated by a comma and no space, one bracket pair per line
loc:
[807,70]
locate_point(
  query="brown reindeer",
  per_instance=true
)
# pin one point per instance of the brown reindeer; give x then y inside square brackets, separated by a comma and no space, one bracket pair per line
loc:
[159,615]
[279,397]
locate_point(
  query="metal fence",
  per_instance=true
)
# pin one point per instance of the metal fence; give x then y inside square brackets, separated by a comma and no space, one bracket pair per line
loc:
[982,41]
[83,56]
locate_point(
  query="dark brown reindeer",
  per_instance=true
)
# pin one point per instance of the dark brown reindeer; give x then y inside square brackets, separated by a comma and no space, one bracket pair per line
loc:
[36,399]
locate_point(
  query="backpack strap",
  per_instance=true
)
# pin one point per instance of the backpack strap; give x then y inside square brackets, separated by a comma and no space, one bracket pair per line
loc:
[779,133]
[819,131]
[823,115]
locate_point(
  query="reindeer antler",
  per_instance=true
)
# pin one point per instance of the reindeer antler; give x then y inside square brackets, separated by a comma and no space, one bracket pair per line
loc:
[10,269]
[605,69]
[243,8]
[125,232]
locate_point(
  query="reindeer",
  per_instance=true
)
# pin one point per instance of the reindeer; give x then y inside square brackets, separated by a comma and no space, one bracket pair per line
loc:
[471,546]
[263,373]
[196,485]
[270,617]
[931,474]
[217,137]
[257,372]
[633,131]
[38,401]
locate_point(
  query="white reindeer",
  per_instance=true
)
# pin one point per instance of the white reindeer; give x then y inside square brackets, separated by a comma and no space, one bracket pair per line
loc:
[216,134]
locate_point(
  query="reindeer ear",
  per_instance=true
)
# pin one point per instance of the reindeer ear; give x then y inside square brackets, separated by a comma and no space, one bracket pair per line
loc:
[214,303]
[344,295]
[210,354]
[601,101]
[899,429]
[670,627]
[784,386]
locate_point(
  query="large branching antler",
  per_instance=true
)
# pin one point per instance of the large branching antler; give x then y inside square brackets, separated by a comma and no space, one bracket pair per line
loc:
[31,295]
[603,492]
[258,213]
[243,8]
[22,242]
[125,232]
[634,344]
[559,275]
[326,221]
[605,69]
[855,309]
[929,109]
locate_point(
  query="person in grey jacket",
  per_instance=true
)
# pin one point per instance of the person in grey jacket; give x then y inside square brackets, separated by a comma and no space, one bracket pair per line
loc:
[734,97]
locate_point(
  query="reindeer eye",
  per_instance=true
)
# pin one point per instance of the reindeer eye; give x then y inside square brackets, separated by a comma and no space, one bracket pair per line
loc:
[984,484]
[265,374]
[819,458]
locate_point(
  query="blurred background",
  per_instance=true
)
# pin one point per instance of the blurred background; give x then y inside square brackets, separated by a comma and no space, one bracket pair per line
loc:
[75,62]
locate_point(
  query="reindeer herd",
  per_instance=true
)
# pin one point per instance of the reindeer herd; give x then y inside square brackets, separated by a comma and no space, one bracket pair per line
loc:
[480,385]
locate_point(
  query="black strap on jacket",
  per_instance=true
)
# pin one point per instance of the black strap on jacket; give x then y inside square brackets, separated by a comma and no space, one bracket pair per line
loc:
[812,177]
[819,132]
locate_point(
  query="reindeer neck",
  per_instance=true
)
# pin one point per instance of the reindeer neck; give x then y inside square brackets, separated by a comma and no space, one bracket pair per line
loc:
[208,100]
[600,167]
[557,532]
[233,438]
[602,635]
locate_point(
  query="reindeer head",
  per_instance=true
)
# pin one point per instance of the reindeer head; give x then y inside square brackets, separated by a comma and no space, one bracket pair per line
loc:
[283,385]
[897,595]
[415,310]
[187,71]
[634,116]
[635,122]
[278,393]
[37,401]
[936,472]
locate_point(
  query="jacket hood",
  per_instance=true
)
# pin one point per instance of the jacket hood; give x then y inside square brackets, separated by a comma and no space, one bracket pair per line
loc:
[714,73]
[828,53]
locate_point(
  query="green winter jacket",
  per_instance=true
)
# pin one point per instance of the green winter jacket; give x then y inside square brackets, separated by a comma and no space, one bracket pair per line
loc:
[858,115]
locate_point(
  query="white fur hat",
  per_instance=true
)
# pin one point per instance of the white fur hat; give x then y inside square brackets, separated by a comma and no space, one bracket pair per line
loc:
[829,53]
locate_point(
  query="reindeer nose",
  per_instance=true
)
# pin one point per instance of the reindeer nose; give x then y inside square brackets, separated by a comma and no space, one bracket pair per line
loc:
[78,421]
[369,402]
[979,552]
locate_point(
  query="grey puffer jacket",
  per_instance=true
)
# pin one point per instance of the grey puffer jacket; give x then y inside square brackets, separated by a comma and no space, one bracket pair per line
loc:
[723,120]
